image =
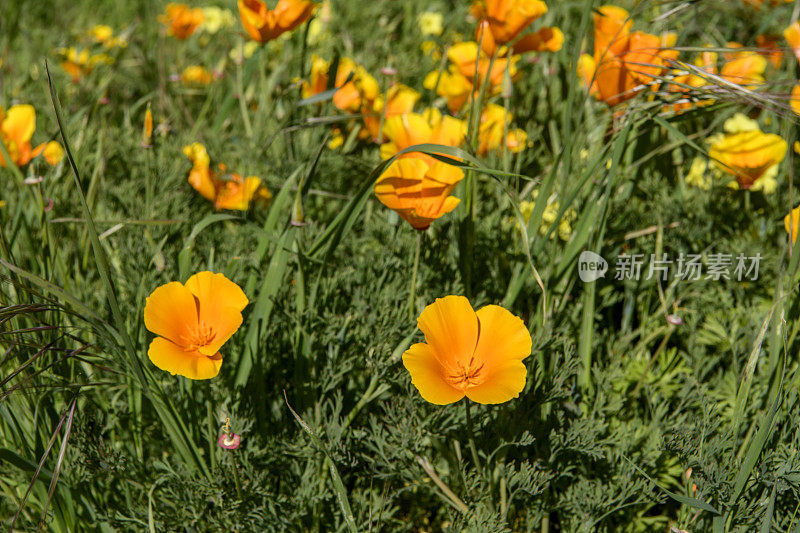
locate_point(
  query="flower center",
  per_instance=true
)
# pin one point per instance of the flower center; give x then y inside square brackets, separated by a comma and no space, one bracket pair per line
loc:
[463,377]
[201,335]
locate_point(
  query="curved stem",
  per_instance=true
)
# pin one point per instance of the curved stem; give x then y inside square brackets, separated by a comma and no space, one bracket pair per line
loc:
[412,308]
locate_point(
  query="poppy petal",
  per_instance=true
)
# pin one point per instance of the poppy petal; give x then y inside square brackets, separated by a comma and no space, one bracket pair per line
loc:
[450,326]
[220,304]
[503,336]
[427,375]
[170,311]
[171,358]
[20,123]
[505,382]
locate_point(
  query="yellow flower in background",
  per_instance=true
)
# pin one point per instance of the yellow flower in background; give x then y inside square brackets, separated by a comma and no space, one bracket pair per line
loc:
[81,63]
[181,21]
[225,190]
[701,174]
[53,153]
[2,204]
[794,100]
[243,51]
[430,23]
[418,190]
[360,89]
[450,84]
[17,126]
[401,100]
[216,18]
[263,24]
[748,154]
[192,323]
[792,36]
[318,27]
[430,126]
[467,353]
[495,122]
[549,216]
[103,34]
[196,75]
[791,223]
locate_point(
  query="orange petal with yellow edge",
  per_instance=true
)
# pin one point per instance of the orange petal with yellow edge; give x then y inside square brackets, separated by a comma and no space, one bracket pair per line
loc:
[450,326]
[220,303]
[428,375]
[171,311]
[170,357]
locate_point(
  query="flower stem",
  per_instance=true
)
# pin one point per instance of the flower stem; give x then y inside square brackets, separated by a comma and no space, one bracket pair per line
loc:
[412,308]
[471,437]
[236,478]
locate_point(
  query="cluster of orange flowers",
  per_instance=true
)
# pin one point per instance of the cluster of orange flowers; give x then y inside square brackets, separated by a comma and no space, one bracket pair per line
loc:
[625,63]
[227,190]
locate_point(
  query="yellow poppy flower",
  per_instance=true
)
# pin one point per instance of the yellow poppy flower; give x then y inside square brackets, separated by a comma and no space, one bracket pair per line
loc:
[225,190]
[794,101]
[53,153]
[181,20]
[748,155]
[192,322]
[147,129]
[501,21]
[430,23]
[401,100]
[402,131]
[792,36]
[263,24]
[495,121]
[418,190]
[81,63]
[623,61]
[791,223]
[16,130]
[467,353]
[196,75]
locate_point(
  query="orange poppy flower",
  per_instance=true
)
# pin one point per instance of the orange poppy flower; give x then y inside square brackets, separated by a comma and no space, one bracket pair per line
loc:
[744,67]
[400,99]
[263,24]
[459,81]
[501,21]
[794,101]
[16,130]
[748,155]
[495,120]
[507,18]
[623,61]
[769,48]
[362,87]
[418,190]
[181,20]
[225,190]
[196,75]
[792,36]
[791,223]
[467,353]
[192,322]
[402,131]
[547,39]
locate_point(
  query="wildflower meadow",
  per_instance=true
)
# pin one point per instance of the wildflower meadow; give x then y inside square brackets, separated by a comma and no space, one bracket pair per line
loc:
[400,265]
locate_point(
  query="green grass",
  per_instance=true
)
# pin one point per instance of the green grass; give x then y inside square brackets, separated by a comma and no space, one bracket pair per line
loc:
[619,401]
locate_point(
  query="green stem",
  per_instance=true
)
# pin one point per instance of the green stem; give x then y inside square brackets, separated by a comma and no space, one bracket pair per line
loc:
[412,294]
[236,478]
[471,436]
